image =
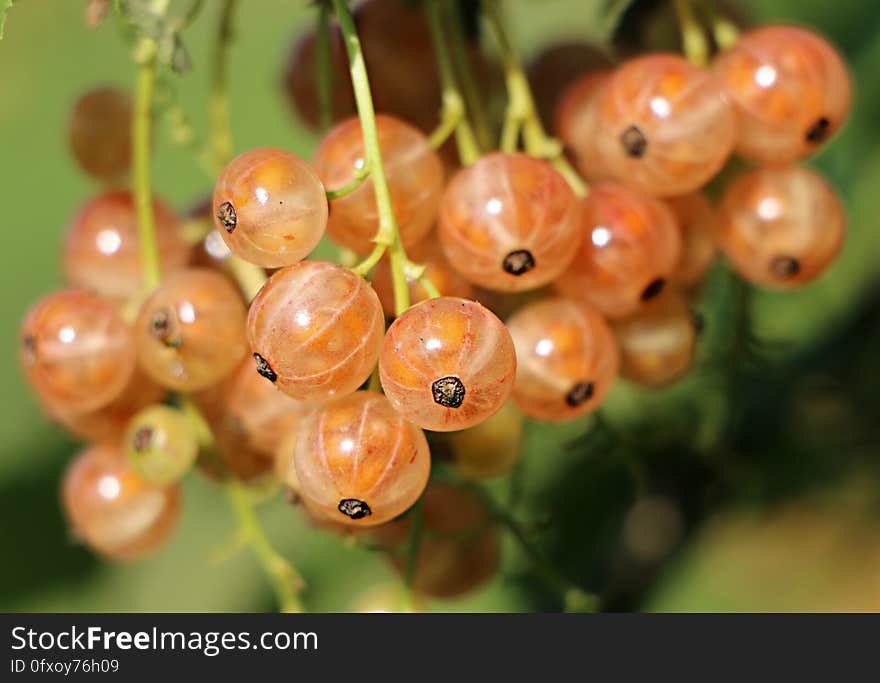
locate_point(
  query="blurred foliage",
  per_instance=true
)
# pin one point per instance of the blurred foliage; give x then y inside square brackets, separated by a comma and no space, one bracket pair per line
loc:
[711,494]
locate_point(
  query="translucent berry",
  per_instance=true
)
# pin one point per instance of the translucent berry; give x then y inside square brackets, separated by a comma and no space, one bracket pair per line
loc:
[100,132]
[113,510]
[491,448]
[437,269]
[780,227]
[76,351]
[359,461]
[109,422]
[300,79]
[191,330]
[664,126]
[102,250]
[696,218]
[552,72]
[415,181]
[160,443]
[447,364]
[509,222]
[630,248]
[566,359]
[575,124]
[657,344]
[790,90]
[263,412]
[459,548]
[315,330]
[270,207]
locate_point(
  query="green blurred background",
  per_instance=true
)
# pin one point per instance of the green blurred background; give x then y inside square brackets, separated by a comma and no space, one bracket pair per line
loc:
[751,485]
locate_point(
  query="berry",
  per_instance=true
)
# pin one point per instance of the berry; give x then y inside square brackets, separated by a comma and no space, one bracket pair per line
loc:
[359,462]
[566,359]
[190,331]
[630,248]
[102,250]
[300,84]
[315,330]
[113,510]
[447,364]
[415,181]
[696,218]
[160,445]
[491,448]
[790,90]
[99,132]
[269,207]
[575,123]
[664,126]
[459,548]
[76,351]
[657,344]
[437,269]
[780,227]
[109,422]
[509,222]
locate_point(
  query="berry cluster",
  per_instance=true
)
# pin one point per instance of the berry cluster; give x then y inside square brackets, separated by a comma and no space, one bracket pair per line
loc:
[532,292]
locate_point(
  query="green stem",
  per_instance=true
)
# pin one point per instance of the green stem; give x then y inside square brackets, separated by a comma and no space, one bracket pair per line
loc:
[387,235]
[693,39]
[143,194]
[522,115]
[724,31]
[359,177]
[284,578]
[454,115]
[221,135]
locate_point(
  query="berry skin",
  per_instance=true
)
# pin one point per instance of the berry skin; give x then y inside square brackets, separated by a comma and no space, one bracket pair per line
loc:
[459,548]
[780,227]
[696,219]
[437,269]
[113,510]
[76,351]
[102,252]
[447,364]
[99,132]
[190,331]
[630,248]
[160,445]
[566,359]
[269,207]
[790,90]
[575,123]
[109,422]
[359,462]
[657,344]
[415,181]
[315,330]
[664,126]
[509,222]
[491,448]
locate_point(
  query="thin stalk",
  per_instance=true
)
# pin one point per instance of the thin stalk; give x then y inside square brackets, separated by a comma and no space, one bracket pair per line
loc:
[387,235]
[454,115]
[221,134]
[693,39]
[143,193]
[358,180]
[284,578]
[522,115]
